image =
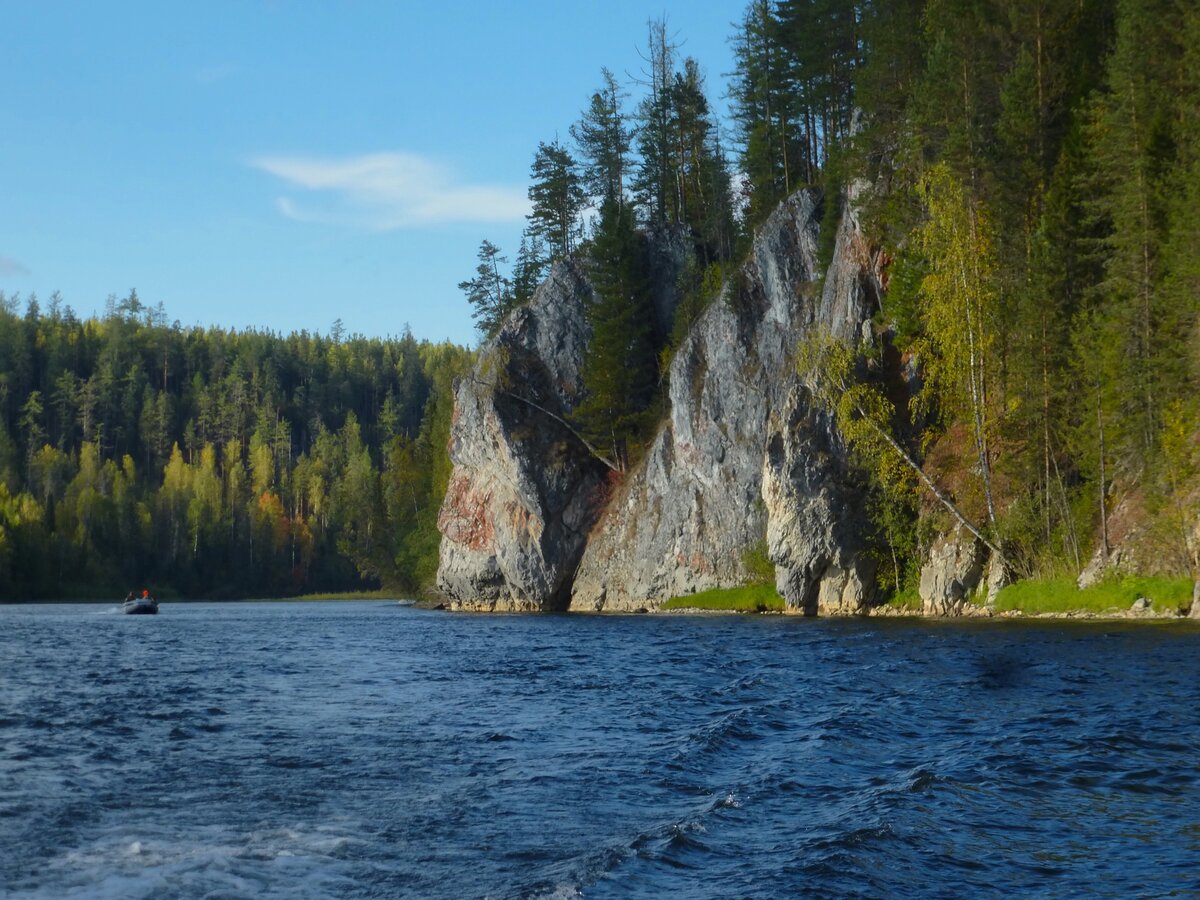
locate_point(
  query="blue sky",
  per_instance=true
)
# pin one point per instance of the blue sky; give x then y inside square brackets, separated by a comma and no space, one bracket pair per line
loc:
[279,164]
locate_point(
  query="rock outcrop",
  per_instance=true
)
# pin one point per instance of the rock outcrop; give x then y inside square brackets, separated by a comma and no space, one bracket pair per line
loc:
[743,457]
[742,462]
[525,491]
[952,572]
[522,492]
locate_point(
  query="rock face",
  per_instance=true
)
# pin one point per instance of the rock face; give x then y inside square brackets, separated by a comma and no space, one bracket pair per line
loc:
[743,459]
[521,495]
[952,572]
[525,492]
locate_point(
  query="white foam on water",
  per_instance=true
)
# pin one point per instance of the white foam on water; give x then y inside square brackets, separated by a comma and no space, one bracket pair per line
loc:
[730,802]
[562,892]
[288,861]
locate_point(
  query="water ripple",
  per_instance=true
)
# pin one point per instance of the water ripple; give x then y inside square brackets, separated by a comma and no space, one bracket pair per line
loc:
[363,750]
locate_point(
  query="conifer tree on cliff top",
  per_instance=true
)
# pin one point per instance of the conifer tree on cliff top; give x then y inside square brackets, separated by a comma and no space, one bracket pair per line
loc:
[619,370]
[604,139]
[557,197]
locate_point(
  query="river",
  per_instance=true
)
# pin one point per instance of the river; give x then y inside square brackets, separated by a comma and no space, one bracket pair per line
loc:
[369,750]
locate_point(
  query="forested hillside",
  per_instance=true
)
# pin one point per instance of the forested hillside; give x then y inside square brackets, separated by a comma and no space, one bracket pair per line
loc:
[1029,169]
[214,463]
[1031,172]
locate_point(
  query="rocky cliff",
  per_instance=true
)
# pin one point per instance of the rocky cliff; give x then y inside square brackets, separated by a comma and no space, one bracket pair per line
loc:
[742,458]
[522,492]
[741,461]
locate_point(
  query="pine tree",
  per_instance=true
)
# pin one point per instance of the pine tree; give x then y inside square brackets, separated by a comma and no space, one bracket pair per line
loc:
[619,370]
[490,294]
[557,197]
[604,141]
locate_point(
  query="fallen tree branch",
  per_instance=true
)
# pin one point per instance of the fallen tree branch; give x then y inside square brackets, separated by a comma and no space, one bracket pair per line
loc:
[592,451]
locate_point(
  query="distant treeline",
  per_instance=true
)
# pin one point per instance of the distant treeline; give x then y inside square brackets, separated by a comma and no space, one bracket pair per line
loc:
[208,462]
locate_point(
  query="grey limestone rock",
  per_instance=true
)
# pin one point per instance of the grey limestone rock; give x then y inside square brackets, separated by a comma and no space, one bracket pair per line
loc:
[743,458]
[998,578]
[951,573]
[522,490]
[742,461]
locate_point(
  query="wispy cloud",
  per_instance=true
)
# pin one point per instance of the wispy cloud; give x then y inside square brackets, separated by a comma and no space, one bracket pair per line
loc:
[389,190]
[10,266]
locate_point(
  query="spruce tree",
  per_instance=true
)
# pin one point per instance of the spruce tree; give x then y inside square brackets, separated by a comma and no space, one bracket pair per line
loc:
[655,185]
[529,269]
[619,370]
[604,141]
[761,108]
[557,197]
[489,293]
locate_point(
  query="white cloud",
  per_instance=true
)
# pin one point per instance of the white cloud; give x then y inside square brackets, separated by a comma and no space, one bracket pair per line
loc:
[389,190]
[10,266]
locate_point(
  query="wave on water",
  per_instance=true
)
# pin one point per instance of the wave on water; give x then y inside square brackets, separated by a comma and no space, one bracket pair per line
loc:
[315,750]
[302,861]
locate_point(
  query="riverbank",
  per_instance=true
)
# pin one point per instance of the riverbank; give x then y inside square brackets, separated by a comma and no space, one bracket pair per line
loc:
[1130,597]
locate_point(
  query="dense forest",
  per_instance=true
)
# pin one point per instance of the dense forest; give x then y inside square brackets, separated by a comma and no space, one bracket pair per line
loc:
[1030,170]
[204,462]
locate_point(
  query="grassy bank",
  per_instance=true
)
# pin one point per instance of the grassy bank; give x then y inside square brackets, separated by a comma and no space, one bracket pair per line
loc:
[753,598]
[1060,595]
[908,600]
[381,594]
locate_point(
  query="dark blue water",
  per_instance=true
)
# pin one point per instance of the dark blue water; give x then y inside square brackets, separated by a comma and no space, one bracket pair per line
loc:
[362,749]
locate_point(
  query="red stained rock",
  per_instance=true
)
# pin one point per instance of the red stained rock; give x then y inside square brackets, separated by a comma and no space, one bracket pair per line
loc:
[466,516]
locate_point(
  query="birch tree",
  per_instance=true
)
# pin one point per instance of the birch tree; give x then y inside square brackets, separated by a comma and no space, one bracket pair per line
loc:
[959,304]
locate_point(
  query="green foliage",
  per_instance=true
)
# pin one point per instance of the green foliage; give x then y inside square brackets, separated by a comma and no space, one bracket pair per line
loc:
[832,207]
[896,535]
[1169,595]
[864,414]
[793,91]
[753,598]
[529,268]
[490,294]
[620,366]
[757,563]
[604,140]
[698,286]
[215,463]
[902,303]
[557,198]
[960,311]
[908,600]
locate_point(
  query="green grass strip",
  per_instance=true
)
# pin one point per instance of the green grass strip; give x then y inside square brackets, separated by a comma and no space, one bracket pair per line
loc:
[1060,595]
[753,598]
